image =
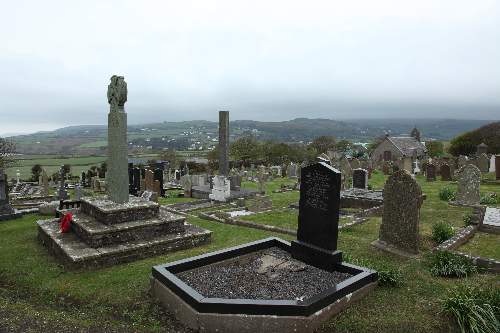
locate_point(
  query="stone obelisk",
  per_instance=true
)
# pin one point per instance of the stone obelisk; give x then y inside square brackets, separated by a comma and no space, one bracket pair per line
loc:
[223,143]
[117,176]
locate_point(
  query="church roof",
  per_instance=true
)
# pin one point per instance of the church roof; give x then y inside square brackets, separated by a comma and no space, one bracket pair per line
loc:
[408,144]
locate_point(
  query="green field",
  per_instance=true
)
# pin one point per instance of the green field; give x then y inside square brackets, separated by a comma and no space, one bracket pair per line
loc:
[52,163]
[37,294]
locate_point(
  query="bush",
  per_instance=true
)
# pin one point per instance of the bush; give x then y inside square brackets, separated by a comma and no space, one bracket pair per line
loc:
[476,310]
[442,232]
[447,264]
[446,194]
[489,199]
[468,219]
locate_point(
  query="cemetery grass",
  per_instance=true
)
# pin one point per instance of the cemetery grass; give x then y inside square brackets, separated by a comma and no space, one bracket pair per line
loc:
[483,245]
[37,294]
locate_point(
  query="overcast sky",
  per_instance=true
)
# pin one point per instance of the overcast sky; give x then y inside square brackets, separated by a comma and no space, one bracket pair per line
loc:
[262,60]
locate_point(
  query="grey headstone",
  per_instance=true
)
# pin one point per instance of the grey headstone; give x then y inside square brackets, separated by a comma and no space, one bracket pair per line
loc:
[400,219]
[469,180]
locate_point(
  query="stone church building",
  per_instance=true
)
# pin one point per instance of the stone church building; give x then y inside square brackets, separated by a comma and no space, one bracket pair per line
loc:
[402,151]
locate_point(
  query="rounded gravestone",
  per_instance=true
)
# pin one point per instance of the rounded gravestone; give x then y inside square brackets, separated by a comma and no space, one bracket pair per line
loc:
[400,219]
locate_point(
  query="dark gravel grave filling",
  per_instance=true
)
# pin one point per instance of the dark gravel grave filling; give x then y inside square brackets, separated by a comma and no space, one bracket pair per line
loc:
[270,274]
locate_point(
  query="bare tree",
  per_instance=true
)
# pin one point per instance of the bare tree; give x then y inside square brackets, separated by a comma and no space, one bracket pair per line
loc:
[7,150]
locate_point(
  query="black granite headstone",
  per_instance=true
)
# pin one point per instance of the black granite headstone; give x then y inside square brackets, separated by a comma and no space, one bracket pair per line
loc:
[137,181]
[360,178]
[131,178]
[318,215]
[158,175]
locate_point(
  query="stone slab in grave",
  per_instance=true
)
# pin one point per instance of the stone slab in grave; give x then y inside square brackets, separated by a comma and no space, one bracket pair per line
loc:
[318,220]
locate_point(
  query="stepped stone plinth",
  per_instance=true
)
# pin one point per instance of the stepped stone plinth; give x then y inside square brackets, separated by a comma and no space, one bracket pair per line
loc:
[106,233]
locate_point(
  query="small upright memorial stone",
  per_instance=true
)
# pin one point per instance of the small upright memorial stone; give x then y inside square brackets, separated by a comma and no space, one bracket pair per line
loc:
[400,220]
[469,180]
[445,172]
[492,163]
[6,210]
[78,192]
[430,172]
[482,163]
[45,183]
[360,179]
[62,193]
[497,166]
[318,222]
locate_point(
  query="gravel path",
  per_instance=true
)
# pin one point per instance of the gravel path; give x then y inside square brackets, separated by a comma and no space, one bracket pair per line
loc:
[267,274]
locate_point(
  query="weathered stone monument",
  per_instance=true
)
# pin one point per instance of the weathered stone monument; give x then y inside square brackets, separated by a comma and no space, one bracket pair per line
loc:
[223,143]
[497,166]
[399,231]
[261,182]
[469,181]
[45,183]
[482,163]
[481,148]
[62,193]
[492,163]
[445,172]
[187,185]
[107,230]
[117,182]
[360,178]
[221,190]
[6,210]
[78,192]
[430,172]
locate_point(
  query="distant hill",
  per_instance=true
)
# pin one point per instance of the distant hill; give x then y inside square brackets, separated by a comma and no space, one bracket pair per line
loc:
[199,134]
[466,143]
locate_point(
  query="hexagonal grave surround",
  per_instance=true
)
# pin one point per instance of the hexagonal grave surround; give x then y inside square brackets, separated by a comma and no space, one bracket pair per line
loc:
[166,275]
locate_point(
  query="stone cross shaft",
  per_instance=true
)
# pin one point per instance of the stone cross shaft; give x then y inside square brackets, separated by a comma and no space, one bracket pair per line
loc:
[117,177]
[223,143]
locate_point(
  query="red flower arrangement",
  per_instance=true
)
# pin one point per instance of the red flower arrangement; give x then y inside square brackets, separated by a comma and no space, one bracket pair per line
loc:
[65,223]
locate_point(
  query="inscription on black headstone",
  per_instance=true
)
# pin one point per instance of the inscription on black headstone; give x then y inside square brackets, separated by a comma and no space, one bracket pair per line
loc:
[319,206]
[360,178]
